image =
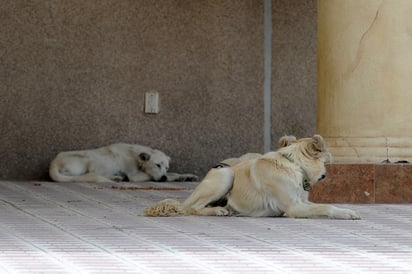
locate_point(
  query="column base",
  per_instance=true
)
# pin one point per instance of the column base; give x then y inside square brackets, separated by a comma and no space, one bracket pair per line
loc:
[365,183]
[370,149]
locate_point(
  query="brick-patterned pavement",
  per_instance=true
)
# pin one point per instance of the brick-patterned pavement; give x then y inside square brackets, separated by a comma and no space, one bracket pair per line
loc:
[50,227]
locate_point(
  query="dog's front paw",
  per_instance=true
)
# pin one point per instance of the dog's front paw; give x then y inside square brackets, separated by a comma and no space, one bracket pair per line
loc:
[118,177]
[346,214]
[188,178]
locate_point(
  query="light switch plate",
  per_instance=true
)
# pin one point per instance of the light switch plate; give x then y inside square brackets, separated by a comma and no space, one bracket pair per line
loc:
[151,102]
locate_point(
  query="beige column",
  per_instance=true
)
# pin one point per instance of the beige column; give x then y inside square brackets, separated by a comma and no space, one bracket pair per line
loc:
[365,79]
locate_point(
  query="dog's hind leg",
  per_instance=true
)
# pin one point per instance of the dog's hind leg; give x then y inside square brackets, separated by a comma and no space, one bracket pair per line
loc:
[213,187]
[212,211]
[90,178]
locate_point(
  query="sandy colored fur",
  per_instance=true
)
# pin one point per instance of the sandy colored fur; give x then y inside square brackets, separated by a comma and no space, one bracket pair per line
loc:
[266,185]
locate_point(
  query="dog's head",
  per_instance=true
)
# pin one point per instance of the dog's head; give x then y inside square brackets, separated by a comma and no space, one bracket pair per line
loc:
[310,153]
[154,163]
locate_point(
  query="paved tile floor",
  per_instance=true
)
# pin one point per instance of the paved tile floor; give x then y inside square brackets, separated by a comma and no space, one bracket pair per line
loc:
[50,227]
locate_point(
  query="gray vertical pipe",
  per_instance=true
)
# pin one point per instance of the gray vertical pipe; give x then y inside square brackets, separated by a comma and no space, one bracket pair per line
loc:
[267,85]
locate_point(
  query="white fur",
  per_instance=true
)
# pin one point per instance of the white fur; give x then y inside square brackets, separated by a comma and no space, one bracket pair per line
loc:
[114,163]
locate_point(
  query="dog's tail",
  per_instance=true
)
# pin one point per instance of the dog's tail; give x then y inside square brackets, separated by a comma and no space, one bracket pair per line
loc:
[165,208]
[55,175]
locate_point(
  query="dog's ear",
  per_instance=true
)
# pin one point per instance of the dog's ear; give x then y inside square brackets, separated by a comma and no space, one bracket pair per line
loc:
[144,156]
[286,140]
[317,145]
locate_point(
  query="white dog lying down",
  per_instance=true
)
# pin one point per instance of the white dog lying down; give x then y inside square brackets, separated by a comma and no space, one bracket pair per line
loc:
[274,184]
[117,162]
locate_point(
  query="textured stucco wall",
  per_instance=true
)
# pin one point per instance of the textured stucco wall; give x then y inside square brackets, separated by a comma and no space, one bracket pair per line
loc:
[73,76]
[294,65]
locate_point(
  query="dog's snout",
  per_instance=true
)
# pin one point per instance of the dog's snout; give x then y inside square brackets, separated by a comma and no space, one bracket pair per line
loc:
[322,177]
[163,179]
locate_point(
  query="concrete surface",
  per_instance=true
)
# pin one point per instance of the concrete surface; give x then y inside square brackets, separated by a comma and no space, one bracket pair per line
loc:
[99,228]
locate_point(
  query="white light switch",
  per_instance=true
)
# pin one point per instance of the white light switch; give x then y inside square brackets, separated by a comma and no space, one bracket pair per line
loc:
[151,102]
